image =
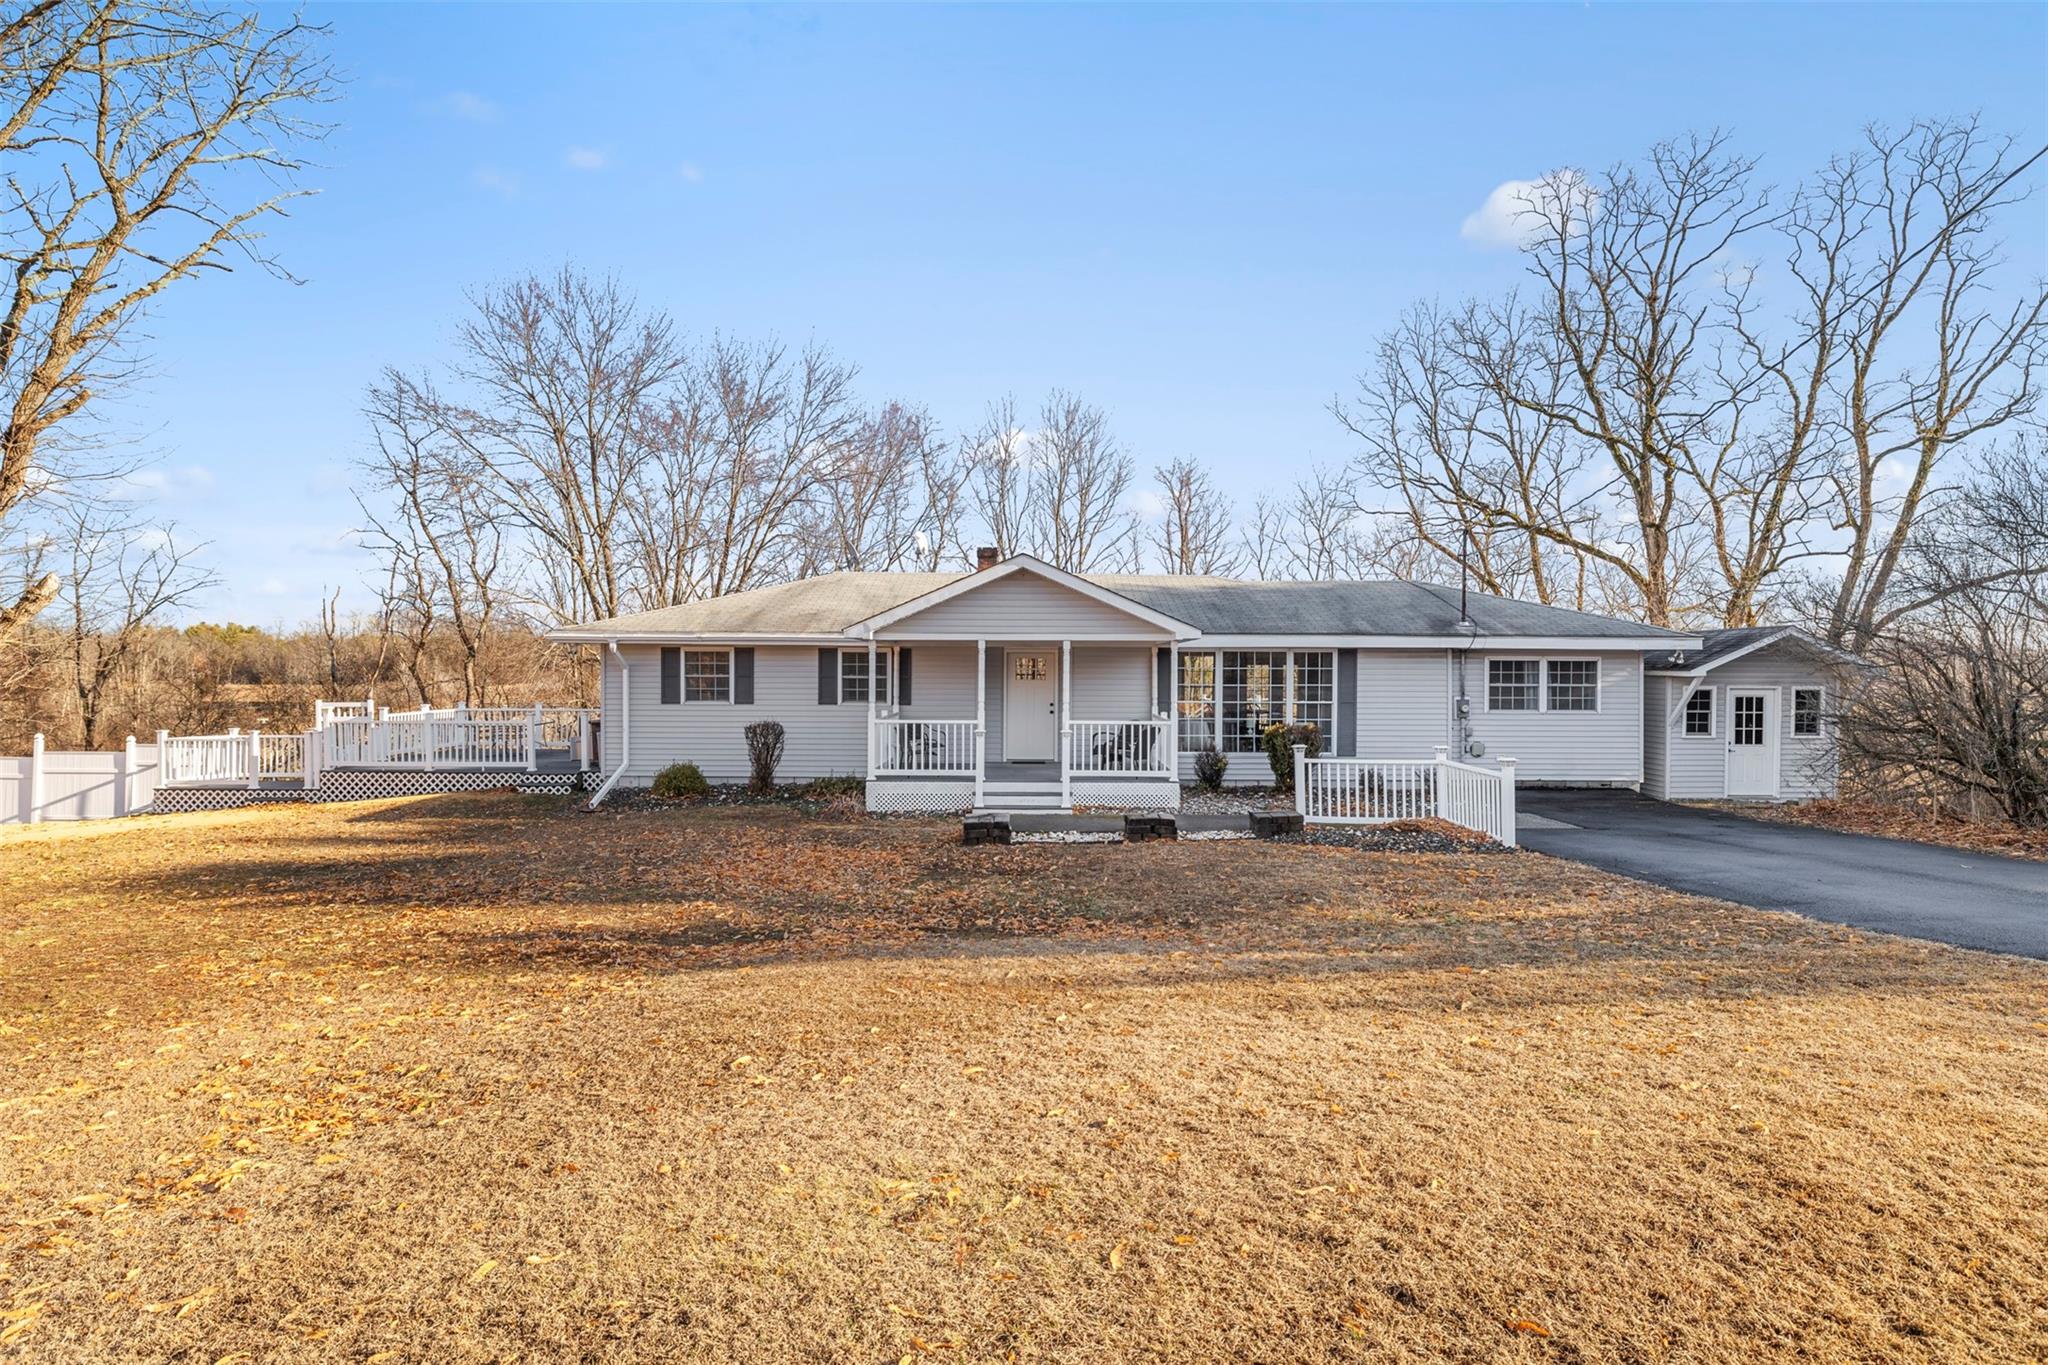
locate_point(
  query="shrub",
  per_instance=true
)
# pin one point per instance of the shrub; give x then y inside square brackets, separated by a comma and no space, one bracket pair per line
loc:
[1210,765]
[822,789]
[764,752]
[1280,740]
[679,780]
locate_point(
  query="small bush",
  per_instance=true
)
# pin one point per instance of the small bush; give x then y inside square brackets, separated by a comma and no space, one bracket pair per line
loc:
[823,789]
[1280,740]
[764,753]
[679,780]
[1210,765]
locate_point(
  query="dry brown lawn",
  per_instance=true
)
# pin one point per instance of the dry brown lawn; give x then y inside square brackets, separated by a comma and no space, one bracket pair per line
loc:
[465,1079]
[1899,820]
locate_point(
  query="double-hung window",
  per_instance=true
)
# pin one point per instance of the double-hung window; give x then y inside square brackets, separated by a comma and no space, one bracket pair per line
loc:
[707,675]
[1572,685]
[1512,685]
[1196,701]
[1806,712]
[1699,714]
[853,676]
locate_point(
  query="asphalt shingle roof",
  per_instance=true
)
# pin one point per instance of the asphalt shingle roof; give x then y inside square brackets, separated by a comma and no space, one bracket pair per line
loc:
[831,602]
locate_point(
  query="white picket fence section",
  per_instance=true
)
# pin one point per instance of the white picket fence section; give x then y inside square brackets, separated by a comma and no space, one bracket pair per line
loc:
[75,785]
[1370,791]
[1119,748]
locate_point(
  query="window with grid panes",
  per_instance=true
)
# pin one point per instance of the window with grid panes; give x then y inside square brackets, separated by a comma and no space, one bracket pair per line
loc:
[1574,685]
[1251,695]
[1511,684]
[1197,701]
[1314,691]
[707,675]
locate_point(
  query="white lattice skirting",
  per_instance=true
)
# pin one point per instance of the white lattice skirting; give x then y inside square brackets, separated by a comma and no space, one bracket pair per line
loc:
[363,786]
[1127,795]
[888,796]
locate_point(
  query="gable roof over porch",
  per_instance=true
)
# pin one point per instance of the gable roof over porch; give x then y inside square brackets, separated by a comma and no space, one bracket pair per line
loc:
[1023,598]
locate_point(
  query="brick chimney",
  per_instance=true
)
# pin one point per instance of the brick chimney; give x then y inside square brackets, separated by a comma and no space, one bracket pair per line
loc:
[985,558]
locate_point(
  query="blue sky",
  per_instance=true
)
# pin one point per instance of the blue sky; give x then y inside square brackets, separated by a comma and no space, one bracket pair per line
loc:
[1198,218]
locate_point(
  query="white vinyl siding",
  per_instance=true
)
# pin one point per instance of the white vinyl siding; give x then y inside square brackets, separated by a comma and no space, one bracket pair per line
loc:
[1023,606]
[1696,769]
[1404,702]
[1601,746]
[822,740]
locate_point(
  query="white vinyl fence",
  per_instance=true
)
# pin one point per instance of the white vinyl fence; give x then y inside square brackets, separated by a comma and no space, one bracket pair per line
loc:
[58,785]
[1367,791]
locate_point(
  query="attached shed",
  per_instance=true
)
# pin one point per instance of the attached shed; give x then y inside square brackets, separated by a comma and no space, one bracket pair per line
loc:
[1748,716]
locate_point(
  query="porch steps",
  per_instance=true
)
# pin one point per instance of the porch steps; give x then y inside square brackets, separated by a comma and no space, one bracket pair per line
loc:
[1019,796]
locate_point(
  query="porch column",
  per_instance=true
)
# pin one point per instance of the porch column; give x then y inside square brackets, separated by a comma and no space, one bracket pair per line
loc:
[980,722]
[871,706]
[1066,720]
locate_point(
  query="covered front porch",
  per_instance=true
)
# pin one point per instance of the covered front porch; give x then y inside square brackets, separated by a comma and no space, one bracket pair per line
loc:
[1019,725]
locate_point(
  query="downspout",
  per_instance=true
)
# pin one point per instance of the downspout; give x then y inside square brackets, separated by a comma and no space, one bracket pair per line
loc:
[625,726]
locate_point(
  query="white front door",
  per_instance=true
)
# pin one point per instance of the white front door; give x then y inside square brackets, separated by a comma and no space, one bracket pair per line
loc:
[1031,706]
[1752,742]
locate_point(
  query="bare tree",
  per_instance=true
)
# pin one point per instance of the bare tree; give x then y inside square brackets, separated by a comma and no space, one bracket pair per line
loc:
[1960,707]
[143,142]
[1931,362]
[1000,479]
[1078,519]
[561,376]
[120,579]
[441,523]
[1195,533]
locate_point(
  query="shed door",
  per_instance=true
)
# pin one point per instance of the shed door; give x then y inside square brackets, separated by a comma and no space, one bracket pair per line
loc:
[1752,742]
[1031,720]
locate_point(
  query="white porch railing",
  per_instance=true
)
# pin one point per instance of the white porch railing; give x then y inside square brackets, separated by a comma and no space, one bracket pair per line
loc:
[926,748]
[283,758]
[1119,748]
[1361,791]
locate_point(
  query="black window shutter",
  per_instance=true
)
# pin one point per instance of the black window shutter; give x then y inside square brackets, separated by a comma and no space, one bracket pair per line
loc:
[671,676]
[828,677]
[903,677]
[1346,719]
[1165,687]
[743,677]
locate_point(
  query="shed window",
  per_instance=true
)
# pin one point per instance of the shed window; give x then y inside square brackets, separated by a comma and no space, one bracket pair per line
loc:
[853,676]
[1806,711]
[1511,684]
[1699,714]
[707,675]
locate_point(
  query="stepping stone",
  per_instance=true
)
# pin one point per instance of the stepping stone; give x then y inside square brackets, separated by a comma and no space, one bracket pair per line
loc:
[1275,824]
[985,829]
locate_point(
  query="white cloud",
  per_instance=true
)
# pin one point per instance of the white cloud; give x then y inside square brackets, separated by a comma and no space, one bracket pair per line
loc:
[1148,504]
[691,172]
[158,482]
[586,159]
[272,587]
[1516,211]
[498,182]
[465,105]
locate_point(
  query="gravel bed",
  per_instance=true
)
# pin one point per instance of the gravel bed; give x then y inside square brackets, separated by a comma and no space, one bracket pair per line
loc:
[1407,837]
[1199,800]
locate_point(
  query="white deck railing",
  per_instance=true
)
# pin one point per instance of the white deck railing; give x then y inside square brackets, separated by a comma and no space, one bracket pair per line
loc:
[430,740]
[926,748]
[195,760]
[1119,748]
[1362,791]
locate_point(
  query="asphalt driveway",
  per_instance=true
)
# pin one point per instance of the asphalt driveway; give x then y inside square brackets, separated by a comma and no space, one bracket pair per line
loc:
[1973,900]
